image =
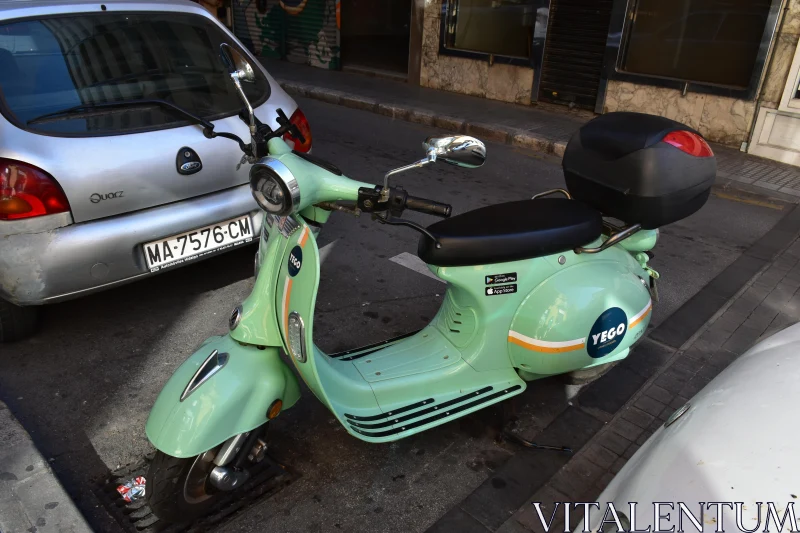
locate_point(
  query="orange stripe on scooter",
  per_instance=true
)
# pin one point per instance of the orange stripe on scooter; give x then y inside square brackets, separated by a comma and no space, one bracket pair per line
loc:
[287,292]
[304,237]
[545,349]
[642,315]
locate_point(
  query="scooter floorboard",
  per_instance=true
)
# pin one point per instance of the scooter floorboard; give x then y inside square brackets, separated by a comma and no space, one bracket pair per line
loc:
[416,384]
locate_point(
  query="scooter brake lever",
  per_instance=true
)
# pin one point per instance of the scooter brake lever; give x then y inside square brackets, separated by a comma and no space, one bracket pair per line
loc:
[404,222]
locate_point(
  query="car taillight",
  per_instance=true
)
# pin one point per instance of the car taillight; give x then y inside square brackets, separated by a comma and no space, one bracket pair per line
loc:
[689,142]
[27,192]
[300,120]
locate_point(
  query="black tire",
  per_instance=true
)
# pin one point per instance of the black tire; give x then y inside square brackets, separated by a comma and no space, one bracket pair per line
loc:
[167,492]
[17,323]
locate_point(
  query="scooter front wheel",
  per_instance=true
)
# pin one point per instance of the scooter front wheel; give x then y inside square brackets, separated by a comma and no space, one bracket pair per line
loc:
[178,490]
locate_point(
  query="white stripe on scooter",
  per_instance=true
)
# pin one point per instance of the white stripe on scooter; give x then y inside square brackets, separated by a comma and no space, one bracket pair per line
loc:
[414,263]
[545,346]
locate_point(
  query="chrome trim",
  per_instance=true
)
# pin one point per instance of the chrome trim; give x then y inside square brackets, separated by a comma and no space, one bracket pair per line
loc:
[219,360]
[677,414]
[236,314]
[198,472]
[229,450]
[283,172]
[286,225]
[294,315]
[611,241]
[552,191]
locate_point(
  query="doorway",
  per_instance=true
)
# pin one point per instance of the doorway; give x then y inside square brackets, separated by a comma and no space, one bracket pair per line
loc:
[574,51]
[375,36]
[777,131]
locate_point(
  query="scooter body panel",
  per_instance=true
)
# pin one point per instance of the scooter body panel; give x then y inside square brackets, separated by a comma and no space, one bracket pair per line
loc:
[586,314]
[337,384]
[536,315]
[232,400]
[258,323]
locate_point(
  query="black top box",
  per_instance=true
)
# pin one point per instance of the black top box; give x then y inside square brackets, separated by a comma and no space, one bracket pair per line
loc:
[639,168]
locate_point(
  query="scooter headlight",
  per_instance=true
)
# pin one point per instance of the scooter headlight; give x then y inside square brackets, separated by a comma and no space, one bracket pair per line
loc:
[274,187]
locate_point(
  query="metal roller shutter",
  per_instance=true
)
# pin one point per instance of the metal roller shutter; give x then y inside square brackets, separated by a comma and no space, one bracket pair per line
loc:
[240,27]
[574,51]
[259,24]
[312,35]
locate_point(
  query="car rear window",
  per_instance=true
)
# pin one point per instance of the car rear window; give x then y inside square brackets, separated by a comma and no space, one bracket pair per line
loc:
[51,64]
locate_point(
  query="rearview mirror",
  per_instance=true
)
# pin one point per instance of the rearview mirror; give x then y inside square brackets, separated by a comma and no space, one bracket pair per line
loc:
[236,63]
[460,150]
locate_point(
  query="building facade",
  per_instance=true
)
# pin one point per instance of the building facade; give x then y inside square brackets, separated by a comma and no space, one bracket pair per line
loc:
[728,68]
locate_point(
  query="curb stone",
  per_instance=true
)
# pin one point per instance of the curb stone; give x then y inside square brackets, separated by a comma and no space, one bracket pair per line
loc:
[31,497]
[491,132]
[547,131]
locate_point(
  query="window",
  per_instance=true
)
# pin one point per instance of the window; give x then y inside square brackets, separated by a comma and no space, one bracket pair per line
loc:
[712,42]
[500,27]
[51,64]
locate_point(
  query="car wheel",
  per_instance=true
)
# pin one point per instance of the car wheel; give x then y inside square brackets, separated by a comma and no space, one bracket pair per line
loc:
[17,323]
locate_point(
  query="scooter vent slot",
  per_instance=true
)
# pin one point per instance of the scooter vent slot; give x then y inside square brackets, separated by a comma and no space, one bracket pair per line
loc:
[358,353]
[442,410]
[390,413]
[457,323]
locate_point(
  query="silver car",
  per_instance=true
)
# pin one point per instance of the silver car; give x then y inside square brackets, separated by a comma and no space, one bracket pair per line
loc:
[103,180]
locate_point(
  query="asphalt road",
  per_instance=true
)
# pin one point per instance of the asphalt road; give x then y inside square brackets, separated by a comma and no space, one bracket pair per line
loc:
[84,385]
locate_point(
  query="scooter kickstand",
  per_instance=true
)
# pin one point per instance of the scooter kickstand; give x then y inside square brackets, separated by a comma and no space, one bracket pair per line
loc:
[528,444]
[509,414]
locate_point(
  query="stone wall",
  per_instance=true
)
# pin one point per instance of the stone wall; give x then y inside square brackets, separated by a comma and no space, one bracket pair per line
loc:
[719,119]
[468,76]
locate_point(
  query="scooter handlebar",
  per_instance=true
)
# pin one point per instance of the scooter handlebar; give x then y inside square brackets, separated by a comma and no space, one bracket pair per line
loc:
[429,207]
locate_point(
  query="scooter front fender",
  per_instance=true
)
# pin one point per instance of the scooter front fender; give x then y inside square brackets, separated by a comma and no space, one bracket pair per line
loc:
[232,395]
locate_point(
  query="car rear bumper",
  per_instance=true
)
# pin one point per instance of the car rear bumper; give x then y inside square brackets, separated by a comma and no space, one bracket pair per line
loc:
[74,260]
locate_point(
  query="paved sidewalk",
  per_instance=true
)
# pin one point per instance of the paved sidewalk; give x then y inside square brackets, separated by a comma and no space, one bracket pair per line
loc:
[541,128]
[31,498]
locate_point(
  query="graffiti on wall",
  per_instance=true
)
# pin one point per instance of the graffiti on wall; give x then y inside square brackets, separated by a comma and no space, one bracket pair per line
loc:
[298,30]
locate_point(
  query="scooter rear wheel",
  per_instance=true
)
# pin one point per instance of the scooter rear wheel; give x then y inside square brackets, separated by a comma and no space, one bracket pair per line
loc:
[178,490]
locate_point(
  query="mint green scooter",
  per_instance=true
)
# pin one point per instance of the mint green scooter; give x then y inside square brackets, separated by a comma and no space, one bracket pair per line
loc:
[535,288]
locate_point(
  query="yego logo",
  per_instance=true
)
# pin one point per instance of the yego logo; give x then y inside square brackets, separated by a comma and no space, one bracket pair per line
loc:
[295,261]
[607,332]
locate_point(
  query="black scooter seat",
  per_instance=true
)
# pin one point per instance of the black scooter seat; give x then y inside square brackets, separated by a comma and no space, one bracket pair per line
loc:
[510,232]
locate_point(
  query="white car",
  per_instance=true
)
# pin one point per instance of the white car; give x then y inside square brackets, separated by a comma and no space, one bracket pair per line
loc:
[735,442]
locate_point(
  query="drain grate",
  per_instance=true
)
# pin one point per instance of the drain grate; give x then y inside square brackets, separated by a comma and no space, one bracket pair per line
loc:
[268,478]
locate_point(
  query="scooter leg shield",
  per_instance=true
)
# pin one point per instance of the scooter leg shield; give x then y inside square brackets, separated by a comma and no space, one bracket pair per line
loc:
[223,389]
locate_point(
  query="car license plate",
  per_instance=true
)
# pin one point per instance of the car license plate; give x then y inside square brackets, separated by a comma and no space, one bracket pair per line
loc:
[189,246]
